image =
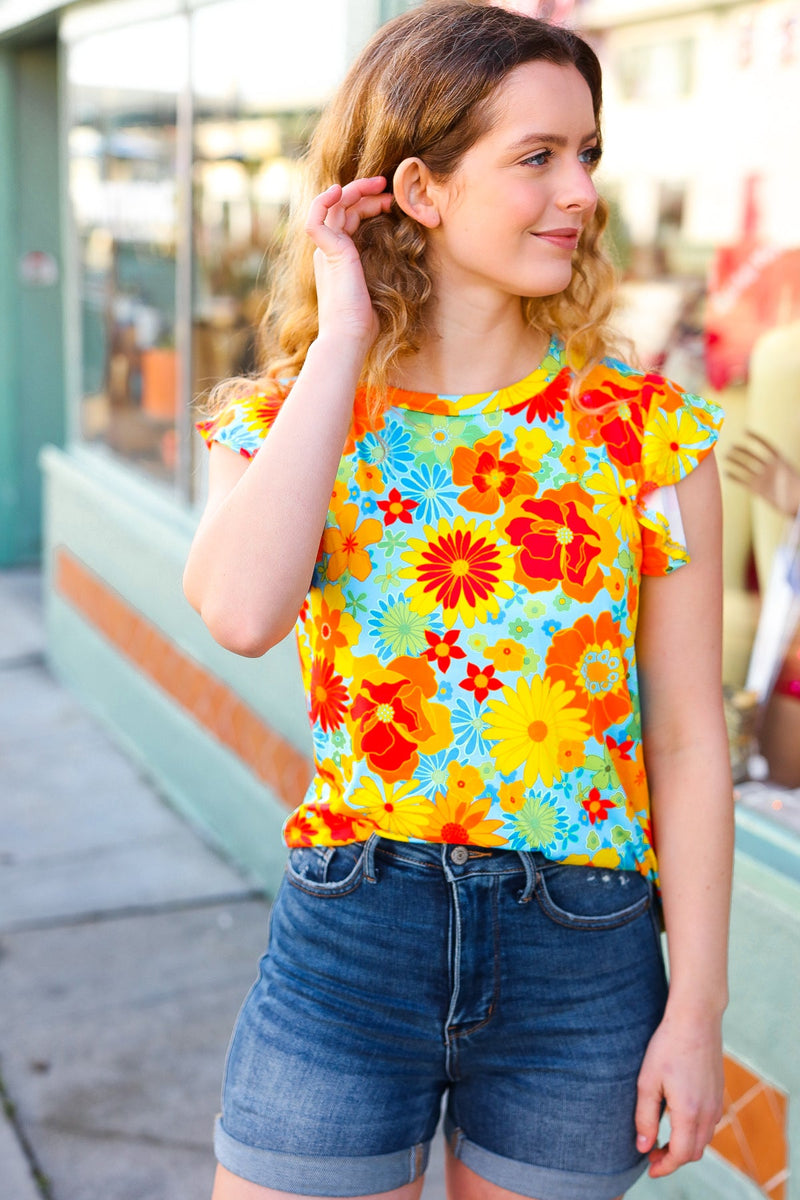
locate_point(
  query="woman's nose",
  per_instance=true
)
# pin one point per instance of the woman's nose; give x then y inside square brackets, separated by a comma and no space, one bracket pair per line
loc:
[578,192]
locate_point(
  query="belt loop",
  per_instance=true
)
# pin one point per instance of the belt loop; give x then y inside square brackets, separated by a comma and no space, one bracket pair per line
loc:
[526,857]
[369,858]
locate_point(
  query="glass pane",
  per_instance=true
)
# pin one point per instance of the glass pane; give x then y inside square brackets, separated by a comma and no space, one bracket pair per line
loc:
[124,86]
[253,115]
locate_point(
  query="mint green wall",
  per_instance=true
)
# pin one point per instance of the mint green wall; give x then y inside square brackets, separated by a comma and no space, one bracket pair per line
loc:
[31,339]
[136,540]
[9,464]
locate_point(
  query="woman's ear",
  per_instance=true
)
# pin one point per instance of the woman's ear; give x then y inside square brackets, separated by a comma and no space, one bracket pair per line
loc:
[416,193]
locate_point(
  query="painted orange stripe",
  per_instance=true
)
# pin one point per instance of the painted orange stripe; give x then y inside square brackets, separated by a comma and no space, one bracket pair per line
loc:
[214,705]
[751,1135]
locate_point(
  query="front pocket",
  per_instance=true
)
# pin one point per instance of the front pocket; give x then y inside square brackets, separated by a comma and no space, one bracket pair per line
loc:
[591,897]
[326,870]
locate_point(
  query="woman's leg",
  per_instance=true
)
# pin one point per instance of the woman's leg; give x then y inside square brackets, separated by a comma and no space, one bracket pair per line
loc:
[464,1184]
[231,1187]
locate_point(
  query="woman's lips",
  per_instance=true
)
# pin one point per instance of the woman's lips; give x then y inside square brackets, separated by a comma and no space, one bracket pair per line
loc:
[566,239]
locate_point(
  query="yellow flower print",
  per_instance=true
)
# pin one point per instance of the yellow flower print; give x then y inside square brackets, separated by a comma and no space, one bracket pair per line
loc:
[671,446]
[369,478]
[346,544]
[396,809]
[460,570]
[456,820]
[532,445]
[615,499]
[529,725]
[507,655]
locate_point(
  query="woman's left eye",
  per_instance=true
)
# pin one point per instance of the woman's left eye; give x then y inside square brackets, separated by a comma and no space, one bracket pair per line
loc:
[591,156]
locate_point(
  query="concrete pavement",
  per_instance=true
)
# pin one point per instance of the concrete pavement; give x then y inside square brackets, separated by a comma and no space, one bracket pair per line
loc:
[126,947]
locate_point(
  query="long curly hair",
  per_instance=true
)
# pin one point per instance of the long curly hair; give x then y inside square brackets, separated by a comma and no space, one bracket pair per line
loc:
[423,87]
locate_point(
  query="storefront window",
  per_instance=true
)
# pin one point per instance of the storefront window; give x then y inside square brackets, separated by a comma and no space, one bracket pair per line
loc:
[124,89]
[253,116]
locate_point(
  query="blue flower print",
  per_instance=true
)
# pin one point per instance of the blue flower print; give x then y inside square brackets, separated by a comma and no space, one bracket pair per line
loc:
[390,448]
[433,491]
[551,627]
[431,774]
[467,724]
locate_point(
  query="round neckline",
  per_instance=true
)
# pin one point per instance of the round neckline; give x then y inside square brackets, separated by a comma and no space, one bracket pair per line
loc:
[497,400]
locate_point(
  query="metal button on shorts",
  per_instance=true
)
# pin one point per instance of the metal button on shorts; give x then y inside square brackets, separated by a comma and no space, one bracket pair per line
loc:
[459,855]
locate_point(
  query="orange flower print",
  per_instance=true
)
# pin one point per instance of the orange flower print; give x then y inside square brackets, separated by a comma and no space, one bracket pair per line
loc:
[506,655]
[334,629]
[370,478]
[397,509]
[460,569]
[442,648]
[571,755]
[462,821]
[558,544]
[589,659]
[480,681]
[328,695]
[464,781]
[346,544]
[512,796]
[489,479]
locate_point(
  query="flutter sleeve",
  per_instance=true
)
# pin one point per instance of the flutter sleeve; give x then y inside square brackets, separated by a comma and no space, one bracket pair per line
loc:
[680,430]
[244,422]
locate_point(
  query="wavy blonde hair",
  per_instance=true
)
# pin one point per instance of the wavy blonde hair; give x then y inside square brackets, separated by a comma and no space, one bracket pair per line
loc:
[423,87]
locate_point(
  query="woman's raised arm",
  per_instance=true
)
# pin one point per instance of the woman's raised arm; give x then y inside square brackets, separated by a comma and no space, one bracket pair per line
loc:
[254,551]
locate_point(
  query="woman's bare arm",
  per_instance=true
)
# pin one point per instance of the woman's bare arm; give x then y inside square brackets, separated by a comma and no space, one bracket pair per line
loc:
[253,555]
[686,752]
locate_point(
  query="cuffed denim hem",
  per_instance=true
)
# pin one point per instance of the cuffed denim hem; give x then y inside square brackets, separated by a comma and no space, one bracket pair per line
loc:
[543,1183]
[312,1175]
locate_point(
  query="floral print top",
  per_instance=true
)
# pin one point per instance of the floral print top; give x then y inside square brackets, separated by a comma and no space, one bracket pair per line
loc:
[467,643]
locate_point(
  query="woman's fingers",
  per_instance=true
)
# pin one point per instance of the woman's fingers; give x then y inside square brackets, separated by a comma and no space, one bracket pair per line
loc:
[339,211]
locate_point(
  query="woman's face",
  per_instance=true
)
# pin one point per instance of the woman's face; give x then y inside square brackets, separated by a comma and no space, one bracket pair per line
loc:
[513,211]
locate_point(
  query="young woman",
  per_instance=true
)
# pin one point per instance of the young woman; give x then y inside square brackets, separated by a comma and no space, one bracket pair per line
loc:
[476,514]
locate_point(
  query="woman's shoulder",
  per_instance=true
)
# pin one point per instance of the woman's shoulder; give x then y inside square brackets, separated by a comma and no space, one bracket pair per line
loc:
[243,415]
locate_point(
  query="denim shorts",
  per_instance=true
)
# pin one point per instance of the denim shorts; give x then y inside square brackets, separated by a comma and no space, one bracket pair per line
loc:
[524,990]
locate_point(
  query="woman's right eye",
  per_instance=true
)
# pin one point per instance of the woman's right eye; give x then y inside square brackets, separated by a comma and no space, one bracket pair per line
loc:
[539,159]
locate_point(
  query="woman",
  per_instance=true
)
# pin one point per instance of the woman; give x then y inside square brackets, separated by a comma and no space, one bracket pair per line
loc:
[488,511]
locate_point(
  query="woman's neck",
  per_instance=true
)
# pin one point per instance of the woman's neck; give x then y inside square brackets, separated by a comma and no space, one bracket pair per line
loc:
[471,351]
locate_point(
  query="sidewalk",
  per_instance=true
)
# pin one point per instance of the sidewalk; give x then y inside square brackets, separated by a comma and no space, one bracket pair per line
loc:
[126,947]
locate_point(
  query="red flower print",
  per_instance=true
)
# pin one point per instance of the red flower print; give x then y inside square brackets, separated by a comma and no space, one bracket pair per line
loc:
[442,648]
[596,807]
[328,695]
[390,724]
[397,509]
[480,681]
[620,749]
[547,403]
[556,545]
[460,569]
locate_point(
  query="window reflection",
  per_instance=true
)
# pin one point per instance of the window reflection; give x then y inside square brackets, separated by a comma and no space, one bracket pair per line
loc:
[123,185]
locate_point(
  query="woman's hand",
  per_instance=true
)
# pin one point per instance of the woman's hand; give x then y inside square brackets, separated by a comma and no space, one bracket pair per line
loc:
[344,305]
[682,1066]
